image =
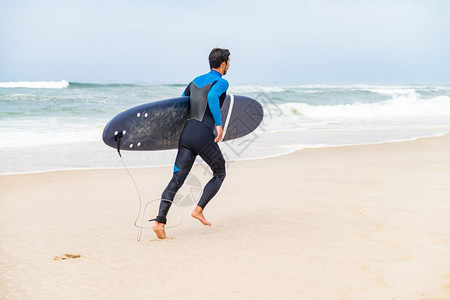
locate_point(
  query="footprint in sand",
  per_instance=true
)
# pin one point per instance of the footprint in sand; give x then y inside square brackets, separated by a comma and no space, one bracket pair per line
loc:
[67,256]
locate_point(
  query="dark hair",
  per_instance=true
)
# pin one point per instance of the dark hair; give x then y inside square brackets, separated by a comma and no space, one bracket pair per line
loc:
[218,56]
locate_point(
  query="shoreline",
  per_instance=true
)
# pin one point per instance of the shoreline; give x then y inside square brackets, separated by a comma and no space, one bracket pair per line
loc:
[230,161]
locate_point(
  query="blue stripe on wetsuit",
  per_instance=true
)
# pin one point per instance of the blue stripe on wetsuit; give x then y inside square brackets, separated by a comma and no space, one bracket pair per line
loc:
[216,90]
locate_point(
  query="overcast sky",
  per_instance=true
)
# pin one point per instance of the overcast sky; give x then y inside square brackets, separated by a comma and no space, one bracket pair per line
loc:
[271,42]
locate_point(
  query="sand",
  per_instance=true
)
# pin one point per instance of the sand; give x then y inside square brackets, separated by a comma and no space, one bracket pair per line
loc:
[353,222]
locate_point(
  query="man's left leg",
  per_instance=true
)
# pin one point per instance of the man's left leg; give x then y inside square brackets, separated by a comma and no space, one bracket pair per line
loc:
[183,164]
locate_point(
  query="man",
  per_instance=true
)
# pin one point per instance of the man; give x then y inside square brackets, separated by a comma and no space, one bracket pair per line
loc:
[207,93]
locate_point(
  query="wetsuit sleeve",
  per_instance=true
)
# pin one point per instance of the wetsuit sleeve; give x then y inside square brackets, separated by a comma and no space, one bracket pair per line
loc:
[213,99]
[187,91]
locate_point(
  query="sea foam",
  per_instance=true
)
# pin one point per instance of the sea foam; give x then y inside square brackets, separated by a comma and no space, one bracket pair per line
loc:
[400,107]
[35,84]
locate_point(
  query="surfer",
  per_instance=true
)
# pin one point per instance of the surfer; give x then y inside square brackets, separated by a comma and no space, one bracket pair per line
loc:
[207,93]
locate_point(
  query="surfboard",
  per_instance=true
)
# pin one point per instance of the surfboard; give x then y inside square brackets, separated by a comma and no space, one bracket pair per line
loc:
[158,125]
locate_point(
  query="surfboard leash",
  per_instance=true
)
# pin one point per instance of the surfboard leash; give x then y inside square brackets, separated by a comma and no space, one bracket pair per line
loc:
[117,138]
[141,227]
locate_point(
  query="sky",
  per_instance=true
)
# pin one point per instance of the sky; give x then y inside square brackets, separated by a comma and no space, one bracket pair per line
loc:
[271,42]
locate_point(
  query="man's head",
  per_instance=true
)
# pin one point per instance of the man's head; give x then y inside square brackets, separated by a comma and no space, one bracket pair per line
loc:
[219,60]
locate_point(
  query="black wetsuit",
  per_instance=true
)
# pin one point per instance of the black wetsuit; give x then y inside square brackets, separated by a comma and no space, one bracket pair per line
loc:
[207,94]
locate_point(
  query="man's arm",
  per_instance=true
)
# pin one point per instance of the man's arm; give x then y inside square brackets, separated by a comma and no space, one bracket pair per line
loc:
[214,104]
[187,91]
[213,99]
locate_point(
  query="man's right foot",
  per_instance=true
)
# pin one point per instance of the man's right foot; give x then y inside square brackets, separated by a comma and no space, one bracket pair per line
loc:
[198,214]
[158,228]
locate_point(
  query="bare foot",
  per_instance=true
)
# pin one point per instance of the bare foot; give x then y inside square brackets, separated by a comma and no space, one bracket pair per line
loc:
[158,228]
[198,214]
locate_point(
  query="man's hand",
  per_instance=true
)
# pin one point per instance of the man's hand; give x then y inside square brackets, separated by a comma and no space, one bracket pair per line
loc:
[219,133]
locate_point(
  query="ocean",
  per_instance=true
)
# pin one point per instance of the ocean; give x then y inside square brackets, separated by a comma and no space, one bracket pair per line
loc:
[58,125]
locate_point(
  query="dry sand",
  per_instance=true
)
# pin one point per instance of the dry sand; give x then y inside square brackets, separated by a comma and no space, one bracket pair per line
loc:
[354,222]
